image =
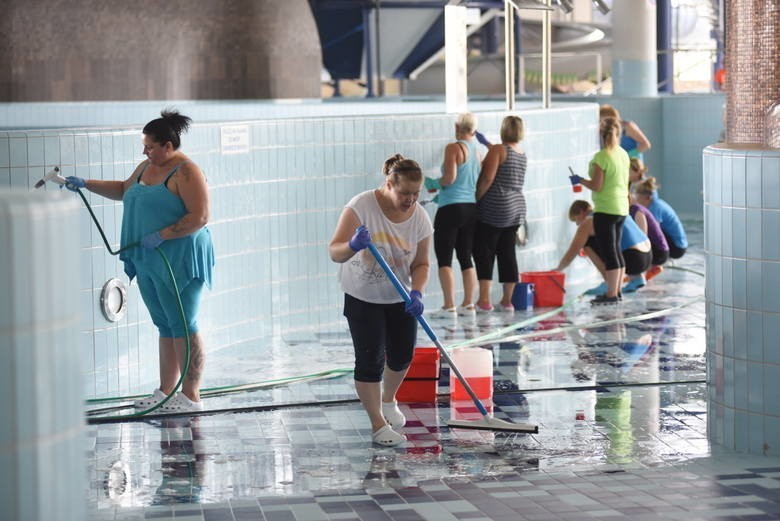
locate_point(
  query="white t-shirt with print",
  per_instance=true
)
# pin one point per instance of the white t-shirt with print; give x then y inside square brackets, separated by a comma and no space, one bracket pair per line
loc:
[361,276]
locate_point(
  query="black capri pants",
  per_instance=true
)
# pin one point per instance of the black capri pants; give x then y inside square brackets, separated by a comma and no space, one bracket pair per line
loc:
[453,228]
[381,334]
[608,229]
[675,251]
[637,261]
[660,256]
[492,243]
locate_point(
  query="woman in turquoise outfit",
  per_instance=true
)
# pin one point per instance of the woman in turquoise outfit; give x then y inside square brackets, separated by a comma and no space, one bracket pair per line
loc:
[166,206]
[457,216]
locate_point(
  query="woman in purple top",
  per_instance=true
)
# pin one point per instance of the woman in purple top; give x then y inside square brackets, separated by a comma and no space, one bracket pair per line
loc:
[648,224]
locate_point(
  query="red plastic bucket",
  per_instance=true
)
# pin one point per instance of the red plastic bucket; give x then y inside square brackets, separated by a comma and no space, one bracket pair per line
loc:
[548,287]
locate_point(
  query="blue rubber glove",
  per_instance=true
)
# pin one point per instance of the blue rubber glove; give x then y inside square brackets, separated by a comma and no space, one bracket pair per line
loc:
[415,305]
[432,184]
[575,179]
[481,138]
[361,239]
[152,241]
[73,183]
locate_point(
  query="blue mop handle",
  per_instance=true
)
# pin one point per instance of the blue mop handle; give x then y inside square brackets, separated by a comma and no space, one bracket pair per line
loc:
[424,323]
[400,287]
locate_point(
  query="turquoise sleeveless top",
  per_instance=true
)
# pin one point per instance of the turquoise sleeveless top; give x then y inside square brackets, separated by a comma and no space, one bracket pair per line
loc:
[464,189]
[148,209]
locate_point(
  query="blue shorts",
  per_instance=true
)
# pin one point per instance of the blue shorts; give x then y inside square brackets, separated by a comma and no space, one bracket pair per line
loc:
[163,305]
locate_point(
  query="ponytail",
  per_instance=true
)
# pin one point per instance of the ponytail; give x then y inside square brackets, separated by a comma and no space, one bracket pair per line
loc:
[169,127]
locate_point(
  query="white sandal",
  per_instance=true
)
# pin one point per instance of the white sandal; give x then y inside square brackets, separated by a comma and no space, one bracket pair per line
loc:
[387,437]
[150,401]
[180,403]
[445,313]
[466,311]
[393,414]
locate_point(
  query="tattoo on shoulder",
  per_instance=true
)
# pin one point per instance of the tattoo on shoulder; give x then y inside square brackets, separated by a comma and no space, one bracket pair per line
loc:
[188,171]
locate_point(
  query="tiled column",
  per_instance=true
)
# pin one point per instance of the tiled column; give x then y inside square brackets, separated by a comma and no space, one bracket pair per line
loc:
[742,242]
[42,470]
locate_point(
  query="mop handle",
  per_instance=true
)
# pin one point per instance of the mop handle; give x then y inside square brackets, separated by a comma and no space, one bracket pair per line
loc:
[424,323]
[400,288]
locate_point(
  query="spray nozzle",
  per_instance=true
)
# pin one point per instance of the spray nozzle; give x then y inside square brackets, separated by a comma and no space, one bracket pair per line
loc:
[54,176]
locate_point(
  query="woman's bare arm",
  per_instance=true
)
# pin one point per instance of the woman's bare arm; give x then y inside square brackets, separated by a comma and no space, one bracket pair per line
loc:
[192,189]
[339,244]
[584,231]
[420,267]
[634,132]
[490,165]
[453,155]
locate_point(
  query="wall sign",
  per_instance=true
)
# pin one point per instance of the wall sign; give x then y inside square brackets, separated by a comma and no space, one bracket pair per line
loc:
[234,139]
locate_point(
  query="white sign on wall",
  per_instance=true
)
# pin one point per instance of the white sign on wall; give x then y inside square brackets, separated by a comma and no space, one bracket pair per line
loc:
[234,139]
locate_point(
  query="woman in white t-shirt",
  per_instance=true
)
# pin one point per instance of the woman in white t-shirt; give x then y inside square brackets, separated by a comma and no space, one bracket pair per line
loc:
[383,327]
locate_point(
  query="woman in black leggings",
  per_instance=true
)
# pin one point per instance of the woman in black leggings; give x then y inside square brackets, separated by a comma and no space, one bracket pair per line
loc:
[500,211]
[609,184]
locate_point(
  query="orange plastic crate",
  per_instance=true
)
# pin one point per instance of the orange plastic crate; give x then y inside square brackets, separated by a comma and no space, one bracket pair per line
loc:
[422,379]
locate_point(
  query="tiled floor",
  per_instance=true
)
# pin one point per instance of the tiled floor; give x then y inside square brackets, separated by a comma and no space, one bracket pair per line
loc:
[617,393]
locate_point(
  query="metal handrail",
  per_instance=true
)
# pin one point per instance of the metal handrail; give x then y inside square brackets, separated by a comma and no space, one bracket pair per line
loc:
[509,50]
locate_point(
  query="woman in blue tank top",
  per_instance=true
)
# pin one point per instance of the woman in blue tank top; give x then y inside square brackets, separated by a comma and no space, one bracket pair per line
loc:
[456,216]
[632,139]
[166,206]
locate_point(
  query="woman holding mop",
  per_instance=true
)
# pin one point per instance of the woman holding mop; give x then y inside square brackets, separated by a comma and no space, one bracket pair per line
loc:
[383,327]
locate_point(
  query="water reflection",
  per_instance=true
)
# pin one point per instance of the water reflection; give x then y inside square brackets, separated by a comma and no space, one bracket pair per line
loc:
[627,415]
[182,469]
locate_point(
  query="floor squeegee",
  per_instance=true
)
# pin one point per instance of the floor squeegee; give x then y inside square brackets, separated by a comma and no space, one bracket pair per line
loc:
[487,422]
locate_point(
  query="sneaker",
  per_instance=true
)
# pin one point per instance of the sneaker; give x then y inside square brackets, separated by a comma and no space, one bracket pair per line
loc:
[507,308]
[180,403]
[393,414]
[603,300]
[445,313]
[634,284]
[598,290]
[483,309]
[653,272]
[150,401]
[466,311]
